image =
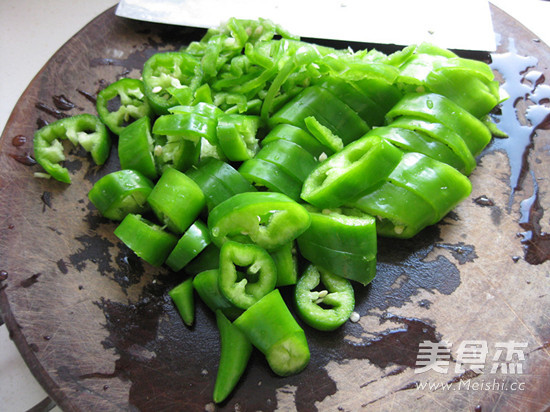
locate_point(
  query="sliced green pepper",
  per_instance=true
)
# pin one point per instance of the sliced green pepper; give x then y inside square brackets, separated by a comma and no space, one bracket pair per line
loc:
[183,298]
[360,165]
[175,152]
[272,329]
[234,355]
[163,71]
[122,102]
[255,279]
[437,108]
[193,242]
[286,263]
[121,192]
[135,148]
[84,129]
[325,309]
[237,135]
[176,200]
[295,135]
[336,116]
[267,219]
[206,283]
[272,176]
[341,233]
[290,157]
[400,213]
[148,240]
[439,184]
[218,181]
[324,135]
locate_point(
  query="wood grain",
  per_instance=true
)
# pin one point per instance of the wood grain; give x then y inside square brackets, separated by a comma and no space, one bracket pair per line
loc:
[97,328]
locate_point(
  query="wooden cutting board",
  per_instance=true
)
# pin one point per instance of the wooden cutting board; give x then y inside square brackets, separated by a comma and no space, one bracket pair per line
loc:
[98,330]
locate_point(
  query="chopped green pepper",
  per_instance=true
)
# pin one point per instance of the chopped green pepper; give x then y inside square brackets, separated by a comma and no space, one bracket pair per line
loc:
[267,219]
[176,200]
[148,240]
[256,277]
[121,192]
[290,157]
[234,355]
[182,296]
[272,329]
[84,129]
[237,135]
[135,148]
[121,103]
[360,165]
[206,283]
[325,309]
[295,135]
[286,263]
[272,176]
[193,241]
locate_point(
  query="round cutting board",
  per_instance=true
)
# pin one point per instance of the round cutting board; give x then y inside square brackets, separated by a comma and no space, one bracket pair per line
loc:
[99,331]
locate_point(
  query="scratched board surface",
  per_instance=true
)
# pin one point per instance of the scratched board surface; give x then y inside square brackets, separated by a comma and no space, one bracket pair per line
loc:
[98,330]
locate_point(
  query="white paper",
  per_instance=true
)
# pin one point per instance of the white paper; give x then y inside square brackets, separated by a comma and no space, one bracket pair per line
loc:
[464,24]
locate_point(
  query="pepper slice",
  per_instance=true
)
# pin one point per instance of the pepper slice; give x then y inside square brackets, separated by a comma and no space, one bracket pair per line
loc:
[135,148]
[439,184]
[190,126]
[338,300]
[286,263]
[84,129]
[234,355]
[218,181]
[163,71]
[267,219]
[336,116]
[206,283]
[244,288]
[122,102]
[295,135]
[272,176]
[440,109]
[148,240]
[182,296]
[360,165]
[272,329]
[176,200]
[291,158]
[193,241]
[237,135]
[400,213]
[208,259]
[121,192]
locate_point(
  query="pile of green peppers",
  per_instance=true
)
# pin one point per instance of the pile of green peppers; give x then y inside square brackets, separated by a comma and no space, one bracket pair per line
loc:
[252,161]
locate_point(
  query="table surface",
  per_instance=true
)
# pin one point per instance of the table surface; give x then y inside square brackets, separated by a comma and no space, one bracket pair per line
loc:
[36,30]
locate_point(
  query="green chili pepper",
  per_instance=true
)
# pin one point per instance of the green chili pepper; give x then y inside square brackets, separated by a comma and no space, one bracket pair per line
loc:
[135,148]
[234,355]
[182,296]
[272,176]
[267,219]
[286,263]
[190,126]
[290,157]
[148,240]
[237,134]
[400,213]
[440,109]
[166,70]
[295,135]
[122,102]
[334,235]
[175,152]
[329,140]
[218,181]
[336,116]
[84,129]
[272,329]
[256,278]
[193,242]
[325,309]
[176,200]
[206,283]
[121,192]
[441,185]
[344,175]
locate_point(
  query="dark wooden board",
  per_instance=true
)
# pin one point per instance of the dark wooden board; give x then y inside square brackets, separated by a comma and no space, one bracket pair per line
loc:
[98,330]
